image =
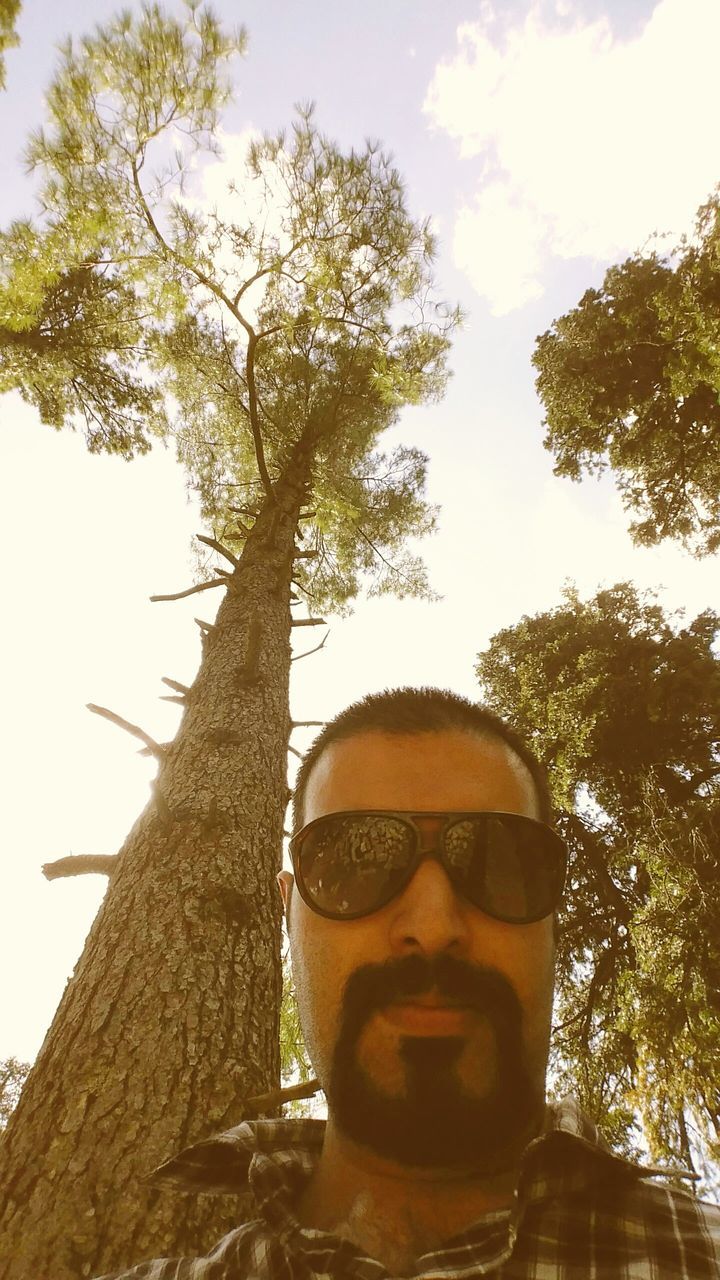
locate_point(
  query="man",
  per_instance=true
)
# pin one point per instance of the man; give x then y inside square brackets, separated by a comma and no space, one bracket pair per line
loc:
[421,918]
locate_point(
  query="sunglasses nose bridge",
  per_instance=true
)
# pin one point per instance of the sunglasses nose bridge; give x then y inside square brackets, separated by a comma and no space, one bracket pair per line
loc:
[429,840]
[429,828]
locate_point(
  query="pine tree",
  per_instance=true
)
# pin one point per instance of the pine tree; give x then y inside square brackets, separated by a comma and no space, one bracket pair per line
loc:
[622,704]
[274,350]
[630,379]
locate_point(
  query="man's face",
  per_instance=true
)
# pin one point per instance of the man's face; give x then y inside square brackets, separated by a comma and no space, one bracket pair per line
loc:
[461,1083]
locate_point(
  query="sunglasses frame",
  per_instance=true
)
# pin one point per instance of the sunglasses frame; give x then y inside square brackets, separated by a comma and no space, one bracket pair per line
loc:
[408,817]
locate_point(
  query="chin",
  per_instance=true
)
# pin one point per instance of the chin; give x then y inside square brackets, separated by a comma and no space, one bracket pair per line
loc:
[424,1115]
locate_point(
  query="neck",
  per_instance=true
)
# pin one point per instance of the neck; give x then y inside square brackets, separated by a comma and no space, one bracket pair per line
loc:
[395,1213]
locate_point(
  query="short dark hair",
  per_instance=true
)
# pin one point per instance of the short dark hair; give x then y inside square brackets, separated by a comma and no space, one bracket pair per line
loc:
[425,710]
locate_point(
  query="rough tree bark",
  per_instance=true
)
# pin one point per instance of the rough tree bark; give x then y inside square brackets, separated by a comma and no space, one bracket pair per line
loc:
[177,993]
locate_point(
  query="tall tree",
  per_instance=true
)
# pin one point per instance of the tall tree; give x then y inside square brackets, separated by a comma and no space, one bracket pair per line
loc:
[9,10]
[623,706]
[275,349]
[630,378]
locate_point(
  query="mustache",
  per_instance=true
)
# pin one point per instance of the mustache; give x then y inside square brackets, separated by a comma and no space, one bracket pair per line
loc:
[373,987]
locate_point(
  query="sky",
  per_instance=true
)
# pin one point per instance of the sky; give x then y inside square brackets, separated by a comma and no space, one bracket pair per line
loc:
[545,141]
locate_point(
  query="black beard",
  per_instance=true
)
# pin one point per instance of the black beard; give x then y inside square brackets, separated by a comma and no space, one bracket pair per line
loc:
[436,1124]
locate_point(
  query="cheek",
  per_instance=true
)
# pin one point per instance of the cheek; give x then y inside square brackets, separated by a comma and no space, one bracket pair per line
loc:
[319,976]
[532,952]
[526,955]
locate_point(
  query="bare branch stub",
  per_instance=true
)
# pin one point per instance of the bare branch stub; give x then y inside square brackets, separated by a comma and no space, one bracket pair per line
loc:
[81,864]
[201,586]
[297,656]
[176,685]
[295,751]
[269,1101]
[218,546]
[308,622]
[207,627]
[307,724]
[241,530]
[305,555]
[153,747]
[244,511]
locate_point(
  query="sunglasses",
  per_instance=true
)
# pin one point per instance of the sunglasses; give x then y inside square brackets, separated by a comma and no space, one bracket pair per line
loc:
[348,865]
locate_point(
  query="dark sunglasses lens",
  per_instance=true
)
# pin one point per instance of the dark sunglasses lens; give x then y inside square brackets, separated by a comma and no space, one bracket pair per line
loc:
[507,866]
[350,865]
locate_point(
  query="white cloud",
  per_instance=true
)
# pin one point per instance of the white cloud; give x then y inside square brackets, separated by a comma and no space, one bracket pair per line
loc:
[482,234]
[589,143]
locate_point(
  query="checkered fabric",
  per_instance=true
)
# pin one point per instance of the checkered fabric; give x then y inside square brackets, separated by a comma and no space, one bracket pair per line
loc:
[581,1213]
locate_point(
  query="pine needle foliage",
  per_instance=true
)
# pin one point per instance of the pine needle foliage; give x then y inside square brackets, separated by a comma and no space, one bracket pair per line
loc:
[9,10]
[630,380]
[622,703]
[299,312]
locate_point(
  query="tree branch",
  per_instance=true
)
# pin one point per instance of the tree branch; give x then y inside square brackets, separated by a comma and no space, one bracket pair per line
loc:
[202,586]
[253,411]
[153,747]
[218,546]
[269,1101]
[321,645]
[175,684]
[308,622]
[80,864]
[220,294]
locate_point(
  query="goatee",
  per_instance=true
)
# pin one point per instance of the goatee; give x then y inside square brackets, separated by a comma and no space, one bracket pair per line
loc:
[437,1122]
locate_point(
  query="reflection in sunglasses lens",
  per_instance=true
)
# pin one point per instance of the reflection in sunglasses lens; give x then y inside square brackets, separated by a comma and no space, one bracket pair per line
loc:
[351,864]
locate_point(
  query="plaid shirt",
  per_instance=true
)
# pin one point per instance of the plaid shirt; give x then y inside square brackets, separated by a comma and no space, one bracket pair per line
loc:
[581,1213]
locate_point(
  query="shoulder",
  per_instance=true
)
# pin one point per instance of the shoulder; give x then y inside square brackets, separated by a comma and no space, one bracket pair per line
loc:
[678,1230]
[681,1209]
[253,1249]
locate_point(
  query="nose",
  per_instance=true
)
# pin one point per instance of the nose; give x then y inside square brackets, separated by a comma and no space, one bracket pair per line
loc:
[429,917]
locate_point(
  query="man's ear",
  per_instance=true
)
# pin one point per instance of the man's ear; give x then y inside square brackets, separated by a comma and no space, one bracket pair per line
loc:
[285,881]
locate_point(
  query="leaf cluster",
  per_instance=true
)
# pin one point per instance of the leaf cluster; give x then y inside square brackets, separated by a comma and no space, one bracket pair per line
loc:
[622,705]
[72,343]
[295,318]
[345,332]
[630,379]
[9,10]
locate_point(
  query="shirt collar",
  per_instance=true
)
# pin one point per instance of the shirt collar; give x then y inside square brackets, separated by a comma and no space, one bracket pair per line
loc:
[282,1154]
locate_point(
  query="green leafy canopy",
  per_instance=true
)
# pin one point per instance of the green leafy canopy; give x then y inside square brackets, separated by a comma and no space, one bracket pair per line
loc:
[9,10]
[622,704]
[631,379]
[294,319]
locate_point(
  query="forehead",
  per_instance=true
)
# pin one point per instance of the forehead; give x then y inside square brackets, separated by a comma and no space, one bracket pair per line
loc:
[445,770]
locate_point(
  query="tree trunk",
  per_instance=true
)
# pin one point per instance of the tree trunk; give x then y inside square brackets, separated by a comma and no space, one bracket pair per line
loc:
[171,1017]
